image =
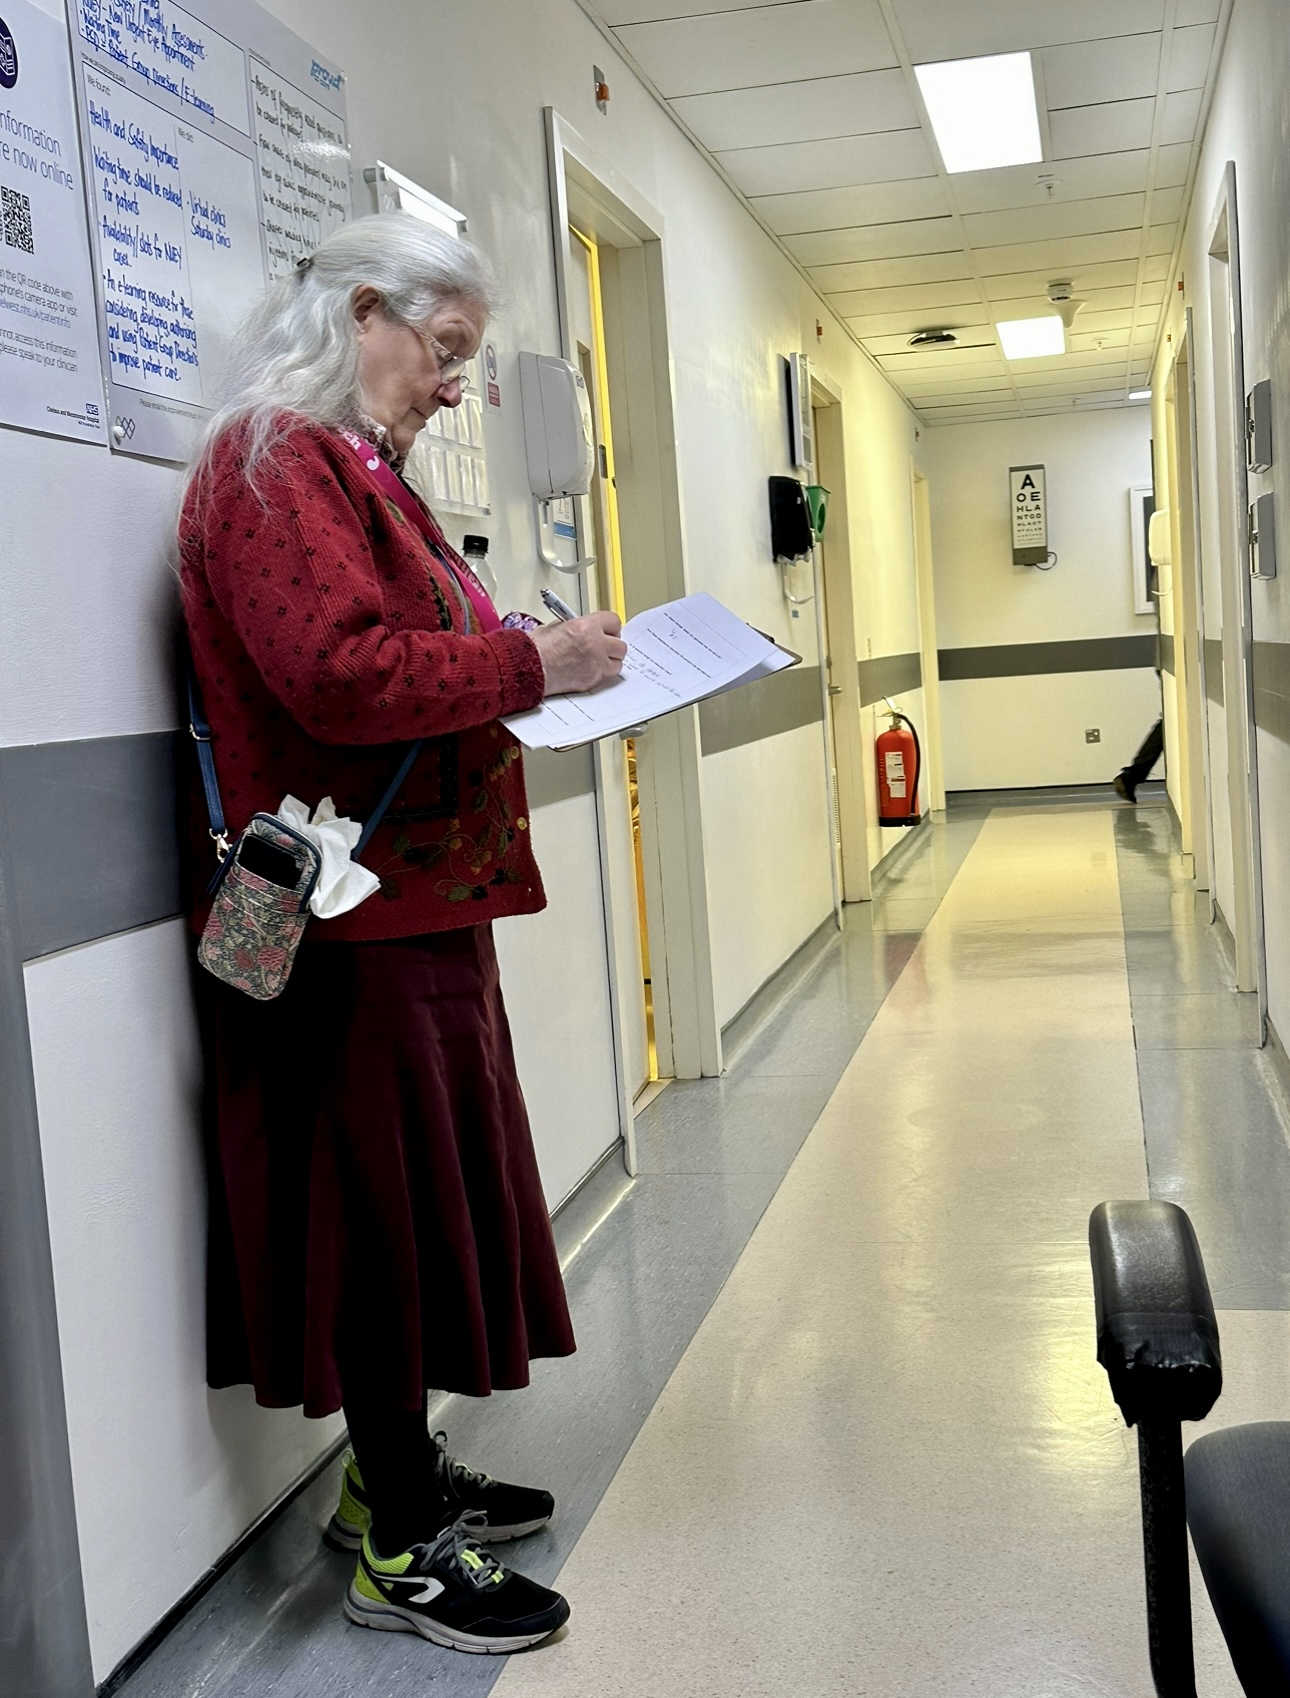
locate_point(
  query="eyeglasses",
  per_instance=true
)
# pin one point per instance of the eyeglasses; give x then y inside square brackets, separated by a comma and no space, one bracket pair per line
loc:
[452,367]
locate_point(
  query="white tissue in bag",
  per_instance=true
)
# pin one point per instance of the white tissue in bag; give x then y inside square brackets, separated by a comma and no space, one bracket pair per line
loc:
[342,883]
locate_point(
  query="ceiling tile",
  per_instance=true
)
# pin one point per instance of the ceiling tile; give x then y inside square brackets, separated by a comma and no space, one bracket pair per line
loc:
[933,30]
[866,203]
[1172,164]
[1125,68]
[1056,218]
[1072,179]
[968,317]
[650,11]
[1197,12]
[930,383]
[917,297]
[1161,237]
[1156,268]
[791,166]
[863,104]
[892,273]
[876,241]
[1166,205]
[1119,274]
[968,361]
[1060,258]
[762,44]
[1111,126]
[1182,115]
[1189,57]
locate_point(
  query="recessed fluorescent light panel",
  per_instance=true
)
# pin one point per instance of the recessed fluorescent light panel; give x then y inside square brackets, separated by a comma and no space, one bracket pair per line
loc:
[1139,394]
[1032,338]
[983,111]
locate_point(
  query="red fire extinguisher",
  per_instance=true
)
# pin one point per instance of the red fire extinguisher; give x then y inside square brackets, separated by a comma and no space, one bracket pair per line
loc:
[900,764]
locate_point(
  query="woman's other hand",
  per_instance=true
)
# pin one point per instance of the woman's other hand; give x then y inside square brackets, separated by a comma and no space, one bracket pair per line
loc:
[579,654]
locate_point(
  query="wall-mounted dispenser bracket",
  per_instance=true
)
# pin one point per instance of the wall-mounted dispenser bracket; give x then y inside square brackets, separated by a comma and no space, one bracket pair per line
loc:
[560,442]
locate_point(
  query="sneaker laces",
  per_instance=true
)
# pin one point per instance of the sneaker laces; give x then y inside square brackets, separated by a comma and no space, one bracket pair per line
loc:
[459,1545]
[454,1472]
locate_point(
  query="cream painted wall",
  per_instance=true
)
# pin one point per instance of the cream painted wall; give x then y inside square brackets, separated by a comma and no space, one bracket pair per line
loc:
[1029,730]
[1247,125]
[85,652]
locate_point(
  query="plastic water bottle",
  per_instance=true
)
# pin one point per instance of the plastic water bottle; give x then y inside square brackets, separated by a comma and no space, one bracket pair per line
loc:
[474,551]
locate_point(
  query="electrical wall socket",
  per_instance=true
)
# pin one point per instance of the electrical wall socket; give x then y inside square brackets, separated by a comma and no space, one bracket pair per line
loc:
[1093,735]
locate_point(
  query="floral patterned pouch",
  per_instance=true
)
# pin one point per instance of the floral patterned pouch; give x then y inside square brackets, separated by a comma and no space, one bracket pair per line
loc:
[261,906]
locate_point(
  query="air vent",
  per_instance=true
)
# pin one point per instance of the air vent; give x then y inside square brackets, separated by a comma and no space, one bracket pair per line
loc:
[934,339]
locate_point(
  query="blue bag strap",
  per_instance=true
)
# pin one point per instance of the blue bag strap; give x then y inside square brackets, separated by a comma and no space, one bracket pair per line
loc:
[200,731]
[396,784]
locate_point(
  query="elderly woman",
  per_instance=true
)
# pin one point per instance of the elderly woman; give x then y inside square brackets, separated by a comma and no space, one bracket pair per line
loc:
[377,1221]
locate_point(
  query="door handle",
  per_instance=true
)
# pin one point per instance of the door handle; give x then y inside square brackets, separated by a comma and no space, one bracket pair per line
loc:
[835,689]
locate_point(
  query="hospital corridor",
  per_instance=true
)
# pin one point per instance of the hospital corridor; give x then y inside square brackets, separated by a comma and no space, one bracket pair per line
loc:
[644,787]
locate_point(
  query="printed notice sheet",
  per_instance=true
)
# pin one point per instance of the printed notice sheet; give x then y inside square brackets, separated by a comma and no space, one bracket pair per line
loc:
[50,377]
[677,654]
[216,155]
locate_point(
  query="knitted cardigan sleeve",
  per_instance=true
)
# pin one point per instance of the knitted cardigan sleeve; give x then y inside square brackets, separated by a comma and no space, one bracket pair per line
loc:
[291,565]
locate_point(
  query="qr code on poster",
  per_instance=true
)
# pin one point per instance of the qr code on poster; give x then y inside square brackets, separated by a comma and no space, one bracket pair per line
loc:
[15,209]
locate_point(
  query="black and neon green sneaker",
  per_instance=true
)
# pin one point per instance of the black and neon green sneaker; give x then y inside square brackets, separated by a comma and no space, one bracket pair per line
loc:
[455,1593]
[509,1512]
[353,1517]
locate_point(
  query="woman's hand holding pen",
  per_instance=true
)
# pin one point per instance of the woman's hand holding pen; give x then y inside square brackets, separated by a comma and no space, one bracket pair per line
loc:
[580,654]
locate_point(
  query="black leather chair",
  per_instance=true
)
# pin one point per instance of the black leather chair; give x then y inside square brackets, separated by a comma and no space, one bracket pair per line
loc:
[1158,1341]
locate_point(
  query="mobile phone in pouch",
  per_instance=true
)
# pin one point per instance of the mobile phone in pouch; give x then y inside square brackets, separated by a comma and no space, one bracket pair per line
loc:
[270,861]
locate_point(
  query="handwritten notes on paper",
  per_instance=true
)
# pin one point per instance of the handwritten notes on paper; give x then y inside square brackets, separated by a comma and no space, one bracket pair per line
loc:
[677,654]
[211,169]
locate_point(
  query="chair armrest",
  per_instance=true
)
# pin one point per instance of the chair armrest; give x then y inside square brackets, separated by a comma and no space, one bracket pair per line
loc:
[1157,1336]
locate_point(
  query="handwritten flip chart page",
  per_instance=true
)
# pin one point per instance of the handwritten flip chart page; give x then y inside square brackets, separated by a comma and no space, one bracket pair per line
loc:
[50,378]
[677,654]
[216,156]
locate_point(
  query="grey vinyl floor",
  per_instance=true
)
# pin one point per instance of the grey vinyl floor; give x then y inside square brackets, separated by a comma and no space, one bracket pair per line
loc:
[647,1261]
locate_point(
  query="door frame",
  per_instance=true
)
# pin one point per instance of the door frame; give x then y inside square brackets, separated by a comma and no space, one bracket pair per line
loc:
[588,190]
[839,656]
[1226,331]
[929,655]
[1192,579]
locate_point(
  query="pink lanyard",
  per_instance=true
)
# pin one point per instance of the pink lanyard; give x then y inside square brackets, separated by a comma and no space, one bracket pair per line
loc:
[393,486]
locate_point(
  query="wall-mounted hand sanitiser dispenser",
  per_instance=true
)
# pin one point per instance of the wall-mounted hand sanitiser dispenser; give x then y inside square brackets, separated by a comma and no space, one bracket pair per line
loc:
[560,441]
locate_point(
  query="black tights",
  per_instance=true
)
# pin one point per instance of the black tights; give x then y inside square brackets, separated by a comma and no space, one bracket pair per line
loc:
[396,1459]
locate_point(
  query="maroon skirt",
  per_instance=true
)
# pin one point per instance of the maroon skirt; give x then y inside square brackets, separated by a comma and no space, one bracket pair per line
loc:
[377,1221]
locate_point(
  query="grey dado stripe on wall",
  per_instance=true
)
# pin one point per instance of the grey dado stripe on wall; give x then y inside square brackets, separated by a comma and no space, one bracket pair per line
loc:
[91,835]
[889,675]
[1271,689]
[91,830]
[782,702]
[1214,670]
[1021,660]
[1166,652]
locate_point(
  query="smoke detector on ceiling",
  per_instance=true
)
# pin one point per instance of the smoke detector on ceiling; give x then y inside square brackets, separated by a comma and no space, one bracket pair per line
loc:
[934,339]
[1061,292]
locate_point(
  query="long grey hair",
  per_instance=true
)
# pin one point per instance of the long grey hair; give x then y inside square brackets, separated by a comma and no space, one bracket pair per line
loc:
[297,352]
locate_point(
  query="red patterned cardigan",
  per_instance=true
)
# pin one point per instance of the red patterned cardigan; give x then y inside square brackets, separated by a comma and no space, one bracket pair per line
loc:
[326,636]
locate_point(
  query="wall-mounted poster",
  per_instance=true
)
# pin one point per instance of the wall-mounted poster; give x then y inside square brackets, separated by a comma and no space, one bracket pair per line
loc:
[216,155]
[50,378]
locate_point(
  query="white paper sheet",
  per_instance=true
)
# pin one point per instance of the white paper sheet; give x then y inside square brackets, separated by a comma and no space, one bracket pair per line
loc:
[677,654]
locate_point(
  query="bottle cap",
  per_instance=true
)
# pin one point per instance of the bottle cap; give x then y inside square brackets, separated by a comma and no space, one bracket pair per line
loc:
[474,545]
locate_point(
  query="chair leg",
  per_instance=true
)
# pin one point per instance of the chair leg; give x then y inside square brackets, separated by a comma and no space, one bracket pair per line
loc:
[1164,1548]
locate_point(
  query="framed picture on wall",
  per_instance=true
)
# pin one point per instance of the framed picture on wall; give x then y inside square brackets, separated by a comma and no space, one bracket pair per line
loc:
[1142,504]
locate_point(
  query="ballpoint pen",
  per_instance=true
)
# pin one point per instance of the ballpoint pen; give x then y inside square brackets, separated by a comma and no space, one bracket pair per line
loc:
[555,604]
